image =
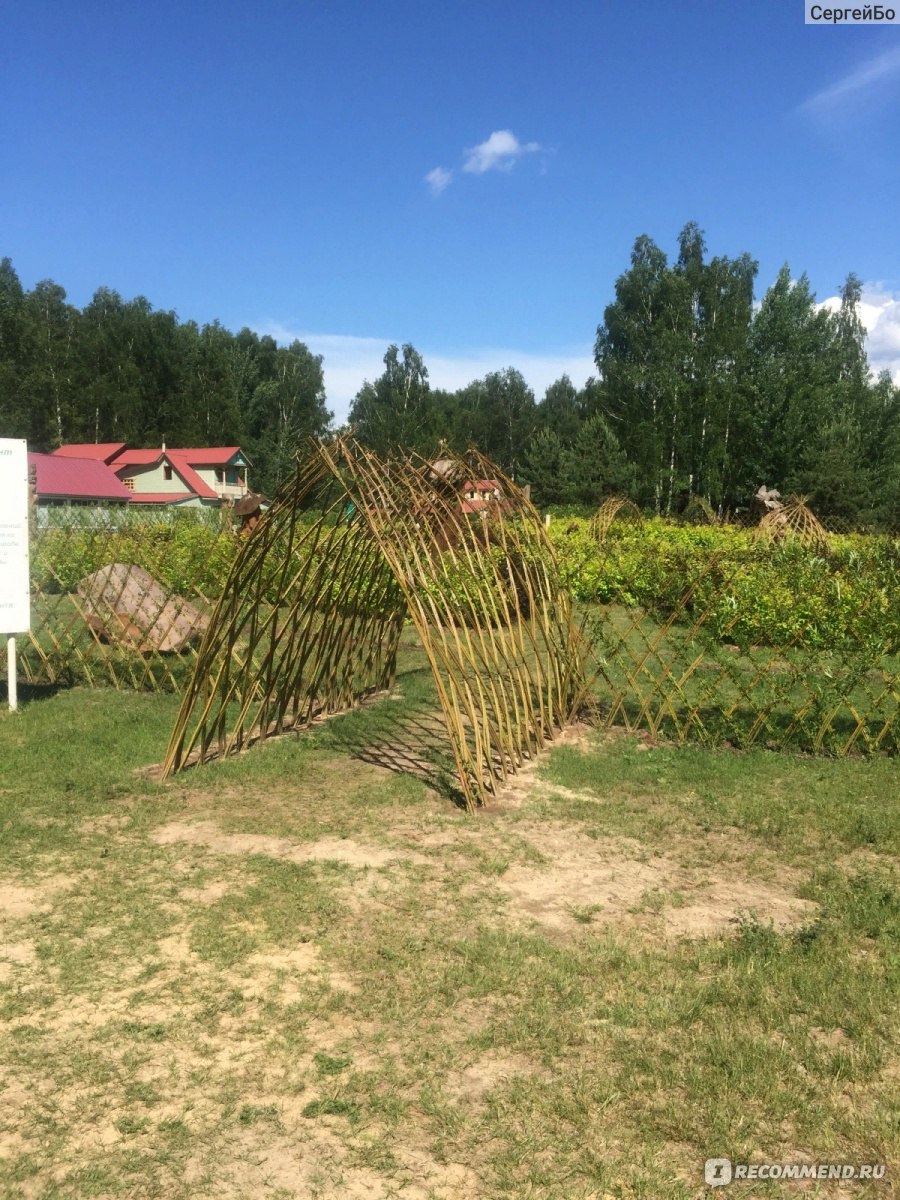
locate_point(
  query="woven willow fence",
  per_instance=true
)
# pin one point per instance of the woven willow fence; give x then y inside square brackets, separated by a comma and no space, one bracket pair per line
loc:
[783,634]
[311,614]
[122,598]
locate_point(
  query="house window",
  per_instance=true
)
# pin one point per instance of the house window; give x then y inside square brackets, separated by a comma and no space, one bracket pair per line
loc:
[220,475]
[167,473]
[129,483]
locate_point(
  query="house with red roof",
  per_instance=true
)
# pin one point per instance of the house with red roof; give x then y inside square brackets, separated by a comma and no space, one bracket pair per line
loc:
[189,478]
[479,494]
[71,480]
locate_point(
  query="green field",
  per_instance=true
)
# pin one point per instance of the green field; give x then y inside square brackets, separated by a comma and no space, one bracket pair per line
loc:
[306,972]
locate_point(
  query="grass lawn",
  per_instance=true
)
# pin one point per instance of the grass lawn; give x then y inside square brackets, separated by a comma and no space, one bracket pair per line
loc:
[301,974]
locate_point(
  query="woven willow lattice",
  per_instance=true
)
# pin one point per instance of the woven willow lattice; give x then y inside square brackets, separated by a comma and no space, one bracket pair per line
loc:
[122,599]
[312,611]
[692,651]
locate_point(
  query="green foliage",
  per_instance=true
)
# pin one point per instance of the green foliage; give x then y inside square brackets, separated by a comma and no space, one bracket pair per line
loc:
[397,409]
[186,556]
[702,391]
[755,592]
[118,370]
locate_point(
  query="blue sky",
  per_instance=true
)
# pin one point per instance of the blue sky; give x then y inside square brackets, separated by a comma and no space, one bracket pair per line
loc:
[469,177]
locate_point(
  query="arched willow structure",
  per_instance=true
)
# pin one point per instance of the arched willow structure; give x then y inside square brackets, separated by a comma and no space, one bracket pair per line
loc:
[614,508]
[312,611]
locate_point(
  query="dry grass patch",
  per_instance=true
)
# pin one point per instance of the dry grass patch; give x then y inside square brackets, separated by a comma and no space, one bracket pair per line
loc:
[210,837]
[615,883]
[260,984]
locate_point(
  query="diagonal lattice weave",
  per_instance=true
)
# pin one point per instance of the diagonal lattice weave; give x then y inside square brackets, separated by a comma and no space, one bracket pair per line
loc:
[789,641]
[312,611]
[122,599]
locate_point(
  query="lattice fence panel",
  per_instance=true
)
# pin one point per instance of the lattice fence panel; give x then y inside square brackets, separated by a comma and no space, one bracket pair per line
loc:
[788,637]
[122,599]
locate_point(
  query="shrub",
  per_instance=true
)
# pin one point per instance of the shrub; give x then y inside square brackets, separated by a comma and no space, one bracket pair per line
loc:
[754,592]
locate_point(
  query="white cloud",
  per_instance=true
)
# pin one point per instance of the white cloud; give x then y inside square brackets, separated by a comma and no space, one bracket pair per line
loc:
[350,360]
[866,84]
[499,153]
[438,180]
[879,311]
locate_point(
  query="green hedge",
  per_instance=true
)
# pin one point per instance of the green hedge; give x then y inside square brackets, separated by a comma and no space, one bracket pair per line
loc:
[186,556]
[754,591]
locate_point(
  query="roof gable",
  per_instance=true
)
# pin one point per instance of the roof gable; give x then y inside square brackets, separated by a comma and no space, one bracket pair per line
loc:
[189,475]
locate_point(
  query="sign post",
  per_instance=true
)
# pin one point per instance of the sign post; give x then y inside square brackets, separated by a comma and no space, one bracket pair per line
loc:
[15,600]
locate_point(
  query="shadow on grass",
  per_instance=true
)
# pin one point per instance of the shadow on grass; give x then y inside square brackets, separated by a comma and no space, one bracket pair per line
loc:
[27,692]
[404,733]
[409,742]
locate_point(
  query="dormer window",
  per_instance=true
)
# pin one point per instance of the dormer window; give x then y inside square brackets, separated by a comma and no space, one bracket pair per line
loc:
[167,473]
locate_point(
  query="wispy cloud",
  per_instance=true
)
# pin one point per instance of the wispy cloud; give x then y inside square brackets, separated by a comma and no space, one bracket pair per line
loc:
[438,180]
[350,360]
[867,84]
[497,153]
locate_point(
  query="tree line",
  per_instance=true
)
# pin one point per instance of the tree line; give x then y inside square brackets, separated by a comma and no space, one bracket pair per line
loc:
[121,371]
[700,391]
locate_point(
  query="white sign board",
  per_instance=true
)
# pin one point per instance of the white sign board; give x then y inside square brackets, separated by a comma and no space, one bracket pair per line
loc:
[15,610]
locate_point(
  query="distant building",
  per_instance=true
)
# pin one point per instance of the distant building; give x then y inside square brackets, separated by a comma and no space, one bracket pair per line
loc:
[84,483]
[188,478]
[479,495]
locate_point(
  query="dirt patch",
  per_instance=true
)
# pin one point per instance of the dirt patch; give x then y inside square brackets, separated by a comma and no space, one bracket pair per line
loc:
[474,1082]
[516,790]
[311,1159]
[108,823]
[18,901]
[589,883]
[176,949]
[210,837]
[14,956]
[831,1039]
[210,893]
[726,903]
[286,973]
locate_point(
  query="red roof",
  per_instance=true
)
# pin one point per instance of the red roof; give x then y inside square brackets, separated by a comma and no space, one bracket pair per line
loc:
[137,458]
[483,485]
[103,451]
[121,457]
[64,477]
[179,461]
[210,456]
[160,497]
[149,458]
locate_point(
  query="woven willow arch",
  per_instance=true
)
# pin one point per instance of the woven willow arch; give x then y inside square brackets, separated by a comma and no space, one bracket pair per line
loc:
[312,611]
[614,508]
